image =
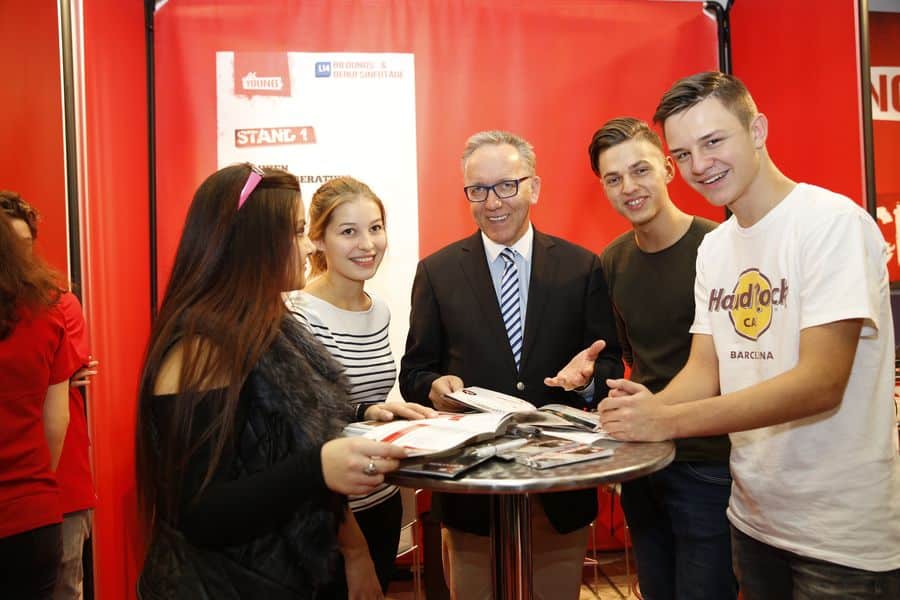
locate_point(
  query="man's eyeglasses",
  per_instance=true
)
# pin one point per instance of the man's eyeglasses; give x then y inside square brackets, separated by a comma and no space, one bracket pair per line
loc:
[253,179]
[503,189]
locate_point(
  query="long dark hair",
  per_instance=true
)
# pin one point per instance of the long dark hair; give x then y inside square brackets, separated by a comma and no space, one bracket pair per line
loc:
[26,282]
[223,306]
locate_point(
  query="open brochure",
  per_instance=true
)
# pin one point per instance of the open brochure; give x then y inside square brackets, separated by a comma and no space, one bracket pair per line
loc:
[550,415]
[441,434]
[546,452]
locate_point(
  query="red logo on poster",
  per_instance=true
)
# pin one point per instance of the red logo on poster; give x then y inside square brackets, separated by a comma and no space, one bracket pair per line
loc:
[274,136]
[261,74]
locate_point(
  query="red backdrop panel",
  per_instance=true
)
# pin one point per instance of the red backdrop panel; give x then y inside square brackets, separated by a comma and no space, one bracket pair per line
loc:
[801,63]
[117,282]
[552,71]
[32,157]
[884,48]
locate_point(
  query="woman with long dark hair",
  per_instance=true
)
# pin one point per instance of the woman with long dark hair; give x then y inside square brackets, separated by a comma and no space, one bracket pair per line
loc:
[36,362]
[240,477]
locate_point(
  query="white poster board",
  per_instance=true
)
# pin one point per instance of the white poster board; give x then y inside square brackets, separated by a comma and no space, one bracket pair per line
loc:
[322,115]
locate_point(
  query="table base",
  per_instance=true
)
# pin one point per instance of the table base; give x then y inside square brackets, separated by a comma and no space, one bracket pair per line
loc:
[511,562]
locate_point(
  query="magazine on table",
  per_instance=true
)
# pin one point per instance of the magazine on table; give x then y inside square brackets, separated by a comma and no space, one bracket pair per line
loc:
[424,437]
[445,466]
[547,452]
[549,415]
[583,437]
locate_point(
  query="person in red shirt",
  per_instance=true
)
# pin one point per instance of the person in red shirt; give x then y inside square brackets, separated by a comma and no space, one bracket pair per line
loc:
[36,361]
[73,475]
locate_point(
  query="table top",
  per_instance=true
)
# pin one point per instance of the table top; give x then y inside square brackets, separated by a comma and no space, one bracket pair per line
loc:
[630,460]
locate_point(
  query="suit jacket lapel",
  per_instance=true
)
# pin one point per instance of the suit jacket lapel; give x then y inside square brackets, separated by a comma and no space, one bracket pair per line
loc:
[543,273]
[478,276]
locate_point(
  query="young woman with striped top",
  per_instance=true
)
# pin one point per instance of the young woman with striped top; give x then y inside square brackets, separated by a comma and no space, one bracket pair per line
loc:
[347,227]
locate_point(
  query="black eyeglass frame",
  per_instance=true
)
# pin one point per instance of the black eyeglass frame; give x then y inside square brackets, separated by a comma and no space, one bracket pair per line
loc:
[493,188]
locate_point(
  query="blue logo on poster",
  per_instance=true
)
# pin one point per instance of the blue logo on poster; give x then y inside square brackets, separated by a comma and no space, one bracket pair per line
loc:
[323,69]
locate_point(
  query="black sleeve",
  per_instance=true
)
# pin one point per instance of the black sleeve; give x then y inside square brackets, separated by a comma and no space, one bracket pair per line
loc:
[421,362]
[234,511]
[360,408]
[627,354]
[601,325]
[606,265]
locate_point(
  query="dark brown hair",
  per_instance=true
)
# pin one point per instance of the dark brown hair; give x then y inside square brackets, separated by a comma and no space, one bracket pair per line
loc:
[616,131]
[223,306]
[26,282]
[690,91]
[325,201]
[16,208]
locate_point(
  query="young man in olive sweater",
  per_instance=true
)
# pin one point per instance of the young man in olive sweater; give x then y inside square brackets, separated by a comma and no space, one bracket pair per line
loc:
[676,516]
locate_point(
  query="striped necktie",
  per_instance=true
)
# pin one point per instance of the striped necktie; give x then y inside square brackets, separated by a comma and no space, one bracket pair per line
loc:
[509,303]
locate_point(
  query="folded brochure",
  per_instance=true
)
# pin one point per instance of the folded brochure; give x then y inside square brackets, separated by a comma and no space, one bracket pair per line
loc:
[423,437]
[443,466]
[546,452]
[550,415]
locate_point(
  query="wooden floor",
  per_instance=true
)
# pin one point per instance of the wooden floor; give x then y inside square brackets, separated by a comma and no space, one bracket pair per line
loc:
[616,585]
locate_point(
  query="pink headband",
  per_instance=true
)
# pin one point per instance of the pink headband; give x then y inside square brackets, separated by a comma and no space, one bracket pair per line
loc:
[256,175]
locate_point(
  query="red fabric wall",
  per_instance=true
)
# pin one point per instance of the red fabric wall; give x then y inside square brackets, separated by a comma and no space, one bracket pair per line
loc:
[32,158]
[526,66]
[551,70]
[117,278]
[884,48]
[114,236]
[800,61]
[884,31]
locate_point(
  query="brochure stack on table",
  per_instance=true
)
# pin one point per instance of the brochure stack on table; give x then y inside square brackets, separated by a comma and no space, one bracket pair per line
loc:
[507,428]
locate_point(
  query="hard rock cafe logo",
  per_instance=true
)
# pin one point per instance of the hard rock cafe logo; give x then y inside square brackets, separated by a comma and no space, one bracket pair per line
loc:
[750,305]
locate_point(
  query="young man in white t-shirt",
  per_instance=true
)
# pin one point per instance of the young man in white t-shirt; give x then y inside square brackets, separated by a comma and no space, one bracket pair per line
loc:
[792,354]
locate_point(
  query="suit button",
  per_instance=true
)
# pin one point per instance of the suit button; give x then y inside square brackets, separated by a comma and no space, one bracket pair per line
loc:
[520,386]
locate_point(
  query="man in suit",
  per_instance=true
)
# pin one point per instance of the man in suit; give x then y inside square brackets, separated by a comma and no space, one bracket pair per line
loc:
[503,309]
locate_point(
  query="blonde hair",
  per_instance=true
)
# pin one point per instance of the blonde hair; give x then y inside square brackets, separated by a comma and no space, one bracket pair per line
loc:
[330,195]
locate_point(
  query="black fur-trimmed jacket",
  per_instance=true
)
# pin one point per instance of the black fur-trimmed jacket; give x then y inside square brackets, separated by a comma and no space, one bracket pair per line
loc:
[294,401]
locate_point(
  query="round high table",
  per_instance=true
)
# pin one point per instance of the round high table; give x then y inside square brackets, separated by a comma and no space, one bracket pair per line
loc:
[510,485]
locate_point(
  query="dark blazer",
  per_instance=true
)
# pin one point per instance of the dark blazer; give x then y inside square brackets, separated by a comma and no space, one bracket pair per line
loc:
[456,329]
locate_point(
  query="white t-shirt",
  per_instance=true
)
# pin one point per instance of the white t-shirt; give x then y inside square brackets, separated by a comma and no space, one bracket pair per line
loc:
[826,486]
[359,341]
